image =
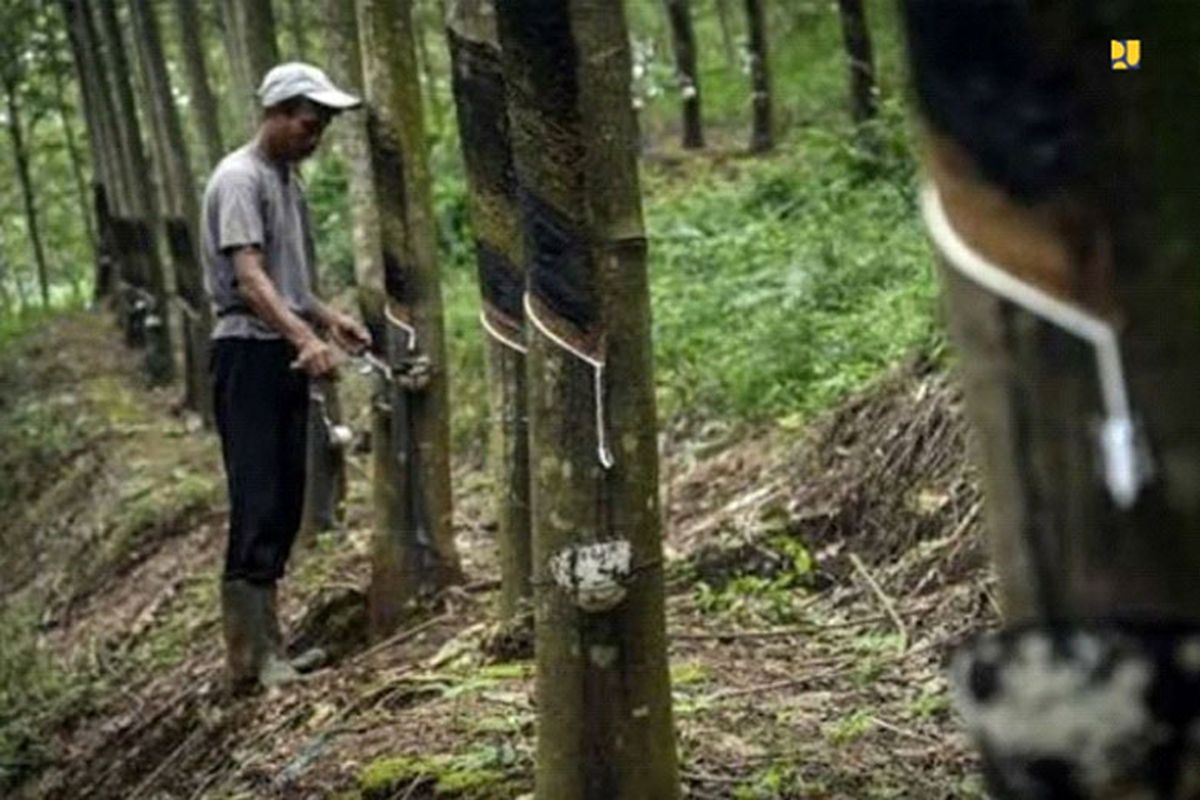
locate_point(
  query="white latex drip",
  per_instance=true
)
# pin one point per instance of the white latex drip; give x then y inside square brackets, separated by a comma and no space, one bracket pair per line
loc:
[1126,467]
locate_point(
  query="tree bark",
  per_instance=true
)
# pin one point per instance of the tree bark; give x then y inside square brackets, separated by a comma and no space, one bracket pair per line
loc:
[683,39]
[76,160]
[204,106]
[1077,183]
[418,556]
[859,57]
[479,94]
[762,136]
[182,211]
[603,689]
[105,159]
[345,63]
[253,50]
[16,137]
[149,274]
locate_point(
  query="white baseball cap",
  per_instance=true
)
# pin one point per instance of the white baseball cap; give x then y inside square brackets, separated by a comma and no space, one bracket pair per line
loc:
[296,79]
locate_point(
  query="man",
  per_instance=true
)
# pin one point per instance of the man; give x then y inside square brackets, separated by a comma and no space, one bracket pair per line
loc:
[258,257]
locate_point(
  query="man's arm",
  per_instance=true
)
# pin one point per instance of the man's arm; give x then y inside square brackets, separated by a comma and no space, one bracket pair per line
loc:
[313,355]
[347,332]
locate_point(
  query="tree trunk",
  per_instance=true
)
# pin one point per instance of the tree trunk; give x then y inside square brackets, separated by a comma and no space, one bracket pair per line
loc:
[104,156]
[253,50]
[149,273]
[683,39]
[120,200]
[857,37]
[419,555]
[203,103]
[16,137]
[182,212]
[1063,205]
[97,98]
[762,136]
[603,689]
[76,160]
[345,63]
[479,94]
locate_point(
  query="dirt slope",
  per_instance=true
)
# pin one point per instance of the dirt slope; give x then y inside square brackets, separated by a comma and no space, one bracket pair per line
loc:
[817,581]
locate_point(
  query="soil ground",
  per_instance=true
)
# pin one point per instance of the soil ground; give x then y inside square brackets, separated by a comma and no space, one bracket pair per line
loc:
[817,581]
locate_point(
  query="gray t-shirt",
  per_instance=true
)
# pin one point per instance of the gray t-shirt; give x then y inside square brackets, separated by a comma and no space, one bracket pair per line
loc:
[250,200]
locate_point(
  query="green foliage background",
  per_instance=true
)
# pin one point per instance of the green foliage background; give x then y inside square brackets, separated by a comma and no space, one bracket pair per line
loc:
[779,283]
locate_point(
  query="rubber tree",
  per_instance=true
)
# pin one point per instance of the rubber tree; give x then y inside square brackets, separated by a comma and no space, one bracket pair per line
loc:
[205,111]
[683,40]
[15,126]
[1062,204]
[252,49]
[604,722]
[762,132]
[102,141]
[856,36]
[139,234]
[182,212]
[66,118]
[345,64]
[479,95]
[415,554]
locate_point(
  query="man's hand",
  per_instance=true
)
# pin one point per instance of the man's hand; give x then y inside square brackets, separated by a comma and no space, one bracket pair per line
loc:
[316,358]
[348,333]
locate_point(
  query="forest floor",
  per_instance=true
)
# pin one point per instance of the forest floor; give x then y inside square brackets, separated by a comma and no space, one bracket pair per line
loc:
[817,580]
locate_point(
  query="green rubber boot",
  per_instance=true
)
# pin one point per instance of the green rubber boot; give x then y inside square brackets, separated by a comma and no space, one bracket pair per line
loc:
[253,643]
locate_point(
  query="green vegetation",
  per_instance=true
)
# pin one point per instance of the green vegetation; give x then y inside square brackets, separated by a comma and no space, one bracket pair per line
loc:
[478,773]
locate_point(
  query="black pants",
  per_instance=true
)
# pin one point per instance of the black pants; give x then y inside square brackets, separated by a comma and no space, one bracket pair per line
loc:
[261,406]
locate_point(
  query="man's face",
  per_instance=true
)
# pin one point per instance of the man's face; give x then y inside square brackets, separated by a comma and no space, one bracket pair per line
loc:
[299,131]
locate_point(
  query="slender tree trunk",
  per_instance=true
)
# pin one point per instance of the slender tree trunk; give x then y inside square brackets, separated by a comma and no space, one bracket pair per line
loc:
[345,64]
[683,39]
[16,137]
[105,160]
[857,37]
[109,273]
[203,103]
[76,161]
[479,93]
[252,47]
[762,136]
[420,555]
[1063,206]
[150,277]
[98,99]
[182,211]
[603,689]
